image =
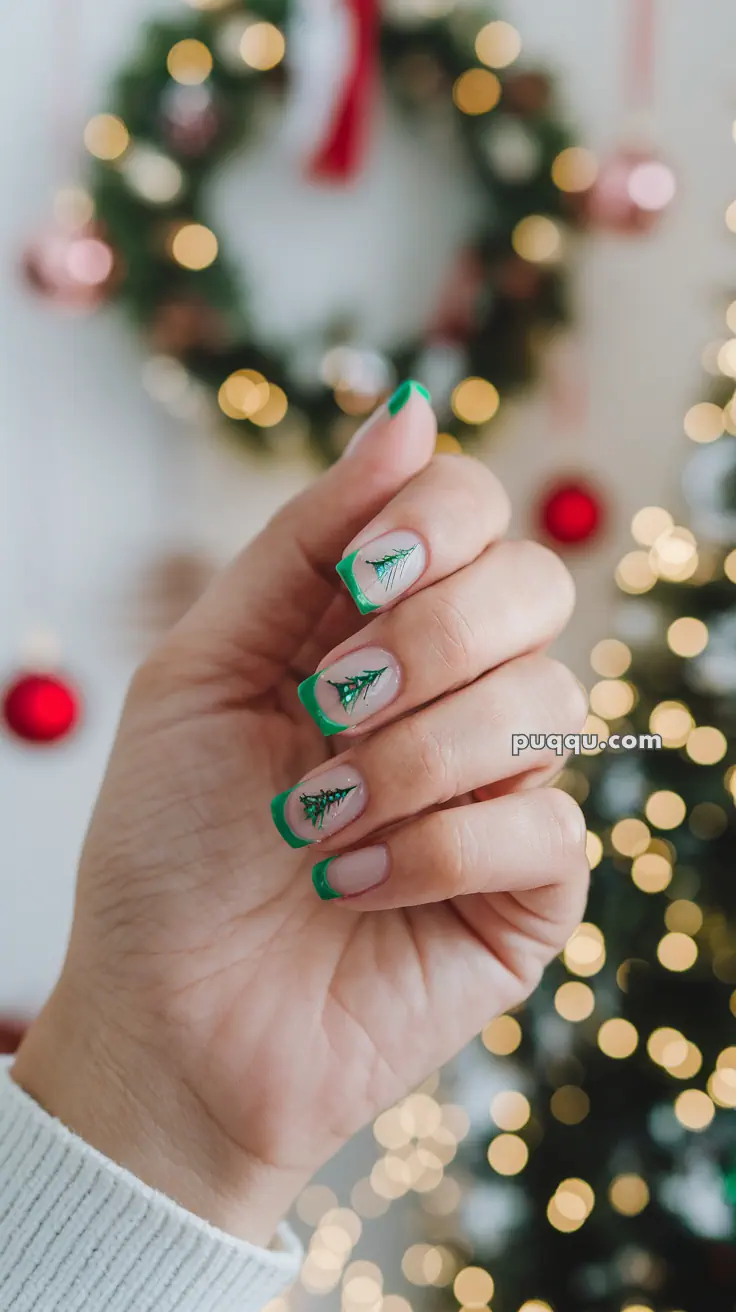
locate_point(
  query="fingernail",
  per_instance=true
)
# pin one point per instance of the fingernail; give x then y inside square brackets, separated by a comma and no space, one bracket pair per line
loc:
[351,690]
[382,570]
[356,872]
[394,404]
[320,806]
[404,393]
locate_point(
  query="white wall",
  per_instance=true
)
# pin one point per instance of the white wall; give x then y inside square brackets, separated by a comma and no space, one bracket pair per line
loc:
[87,458]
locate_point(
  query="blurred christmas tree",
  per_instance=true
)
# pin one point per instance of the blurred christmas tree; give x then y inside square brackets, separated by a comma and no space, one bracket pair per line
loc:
[613,1158]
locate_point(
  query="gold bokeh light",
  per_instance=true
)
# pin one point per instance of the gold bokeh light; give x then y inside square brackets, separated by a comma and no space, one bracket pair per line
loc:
[498,44]
[537,239]
[610,658]
[262,46]
[194,246]
[189,62]
[475,401]
[476,91]
[574,169]
[106,136]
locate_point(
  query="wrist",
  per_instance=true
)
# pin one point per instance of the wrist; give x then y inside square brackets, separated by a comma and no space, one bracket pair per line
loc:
[126,1104]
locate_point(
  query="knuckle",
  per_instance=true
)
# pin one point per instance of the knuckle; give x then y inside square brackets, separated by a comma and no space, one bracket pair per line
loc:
[475,482]
[540,569]
[561,825]
[449,635]
[433,764]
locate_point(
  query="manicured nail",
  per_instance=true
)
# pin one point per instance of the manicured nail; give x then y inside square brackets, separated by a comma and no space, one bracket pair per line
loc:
[351,690]
[404,393]
[356,872]
[390,407]
[320,806]
[382,570]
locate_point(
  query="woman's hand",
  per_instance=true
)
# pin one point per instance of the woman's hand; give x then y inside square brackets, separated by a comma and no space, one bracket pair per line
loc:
[223,1023]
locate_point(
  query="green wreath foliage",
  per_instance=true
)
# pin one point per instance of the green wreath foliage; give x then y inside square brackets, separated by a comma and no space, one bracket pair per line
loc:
[201,316]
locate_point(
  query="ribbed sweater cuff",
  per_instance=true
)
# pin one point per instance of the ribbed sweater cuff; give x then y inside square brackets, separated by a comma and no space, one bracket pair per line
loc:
[79,1233]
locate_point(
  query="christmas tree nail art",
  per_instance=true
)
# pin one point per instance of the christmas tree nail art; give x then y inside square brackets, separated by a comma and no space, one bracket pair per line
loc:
[352,689]
[319,805]
[383,569]
[391,567]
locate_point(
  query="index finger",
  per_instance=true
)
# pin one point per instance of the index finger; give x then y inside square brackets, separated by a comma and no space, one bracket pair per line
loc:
[441,520]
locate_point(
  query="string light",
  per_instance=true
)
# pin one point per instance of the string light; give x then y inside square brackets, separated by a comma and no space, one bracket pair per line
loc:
[194,246]
[262,46]
[243,393]
[706,745]
[570,1205]
[704,422]
[611,658]
[574,169]
[475,400]
[510,1110]
[651,872]
[628,1194]
[593,849]
[498,44]
[420,1115]
[502,1036]
[687,636]
[570,1104]
[535,1305]
[650,523]
[574,1001]
[508,1154]
[665,809]
[684,916]
[476,91]
[596,728]
[694,1109]
[189,62]
[153,176]
[473,1287]
[729,566]
[537,239]
[722,1087]
[677,952]
[585,951]
[667,1046]
[618,1038]
[630,837]
[106,137]
[673,722]
[612,698]
[313,1202]
[634,573]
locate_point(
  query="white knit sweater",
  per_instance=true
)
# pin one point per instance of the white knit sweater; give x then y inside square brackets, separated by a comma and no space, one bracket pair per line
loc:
[80,1234]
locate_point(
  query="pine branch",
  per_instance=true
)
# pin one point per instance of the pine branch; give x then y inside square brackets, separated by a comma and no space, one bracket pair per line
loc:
[318,805]
[356,686]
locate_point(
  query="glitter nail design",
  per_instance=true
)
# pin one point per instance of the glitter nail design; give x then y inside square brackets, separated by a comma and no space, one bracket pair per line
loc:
[391,567]
[351,690]
[317,806]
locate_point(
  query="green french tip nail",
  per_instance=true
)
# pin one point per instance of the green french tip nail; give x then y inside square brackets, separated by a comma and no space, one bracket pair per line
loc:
[279,819]
[404,394]
[319,879]
[309,702]
[347,574]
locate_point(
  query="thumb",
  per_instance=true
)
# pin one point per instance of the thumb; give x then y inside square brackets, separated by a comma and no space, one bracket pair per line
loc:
[259,611]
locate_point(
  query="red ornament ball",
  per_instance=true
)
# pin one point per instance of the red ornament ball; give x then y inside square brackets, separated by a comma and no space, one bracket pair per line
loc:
[630,194]
[571,513]
[40,708]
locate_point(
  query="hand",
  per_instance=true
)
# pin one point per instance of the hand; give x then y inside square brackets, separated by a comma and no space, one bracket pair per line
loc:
[222,1025]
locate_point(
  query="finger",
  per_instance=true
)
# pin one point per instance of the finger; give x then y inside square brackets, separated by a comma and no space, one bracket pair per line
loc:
[433,757]
[281,585]
[440,521]
[516,597]
[527,849]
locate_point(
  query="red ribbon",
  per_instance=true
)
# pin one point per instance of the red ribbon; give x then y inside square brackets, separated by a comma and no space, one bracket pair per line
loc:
[341,153]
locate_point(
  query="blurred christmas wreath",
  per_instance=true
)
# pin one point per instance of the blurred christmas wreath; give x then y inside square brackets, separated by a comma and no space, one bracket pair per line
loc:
[191,97]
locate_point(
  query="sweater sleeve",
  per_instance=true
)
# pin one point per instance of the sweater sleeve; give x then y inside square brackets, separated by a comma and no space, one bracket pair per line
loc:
[80,1234]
